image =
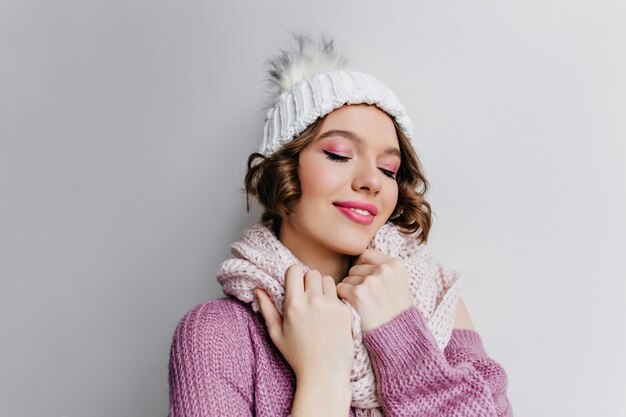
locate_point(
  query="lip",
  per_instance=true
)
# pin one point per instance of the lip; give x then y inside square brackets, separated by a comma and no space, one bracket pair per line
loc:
[359,205]
[365,219]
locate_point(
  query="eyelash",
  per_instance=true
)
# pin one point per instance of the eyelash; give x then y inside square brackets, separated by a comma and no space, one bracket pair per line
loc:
[339,158]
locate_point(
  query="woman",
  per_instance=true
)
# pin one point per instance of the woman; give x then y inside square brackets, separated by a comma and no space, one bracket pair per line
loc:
[355,317]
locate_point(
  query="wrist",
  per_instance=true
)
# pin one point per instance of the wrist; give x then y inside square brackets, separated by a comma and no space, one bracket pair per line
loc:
[326,385]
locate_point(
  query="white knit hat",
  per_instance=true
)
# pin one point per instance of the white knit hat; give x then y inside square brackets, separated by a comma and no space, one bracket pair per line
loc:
[309,82]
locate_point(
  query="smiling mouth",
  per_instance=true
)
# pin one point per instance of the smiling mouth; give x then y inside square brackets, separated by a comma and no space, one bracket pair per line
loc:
[359,216]
[361,211]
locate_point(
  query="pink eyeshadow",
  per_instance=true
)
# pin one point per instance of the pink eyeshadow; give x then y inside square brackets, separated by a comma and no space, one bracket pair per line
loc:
[391,167]
[336,150]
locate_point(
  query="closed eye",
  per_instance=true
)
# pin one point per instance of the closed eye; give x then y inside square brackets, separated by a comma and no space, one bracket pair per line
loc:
[335,157]
[339,158]
[388,173]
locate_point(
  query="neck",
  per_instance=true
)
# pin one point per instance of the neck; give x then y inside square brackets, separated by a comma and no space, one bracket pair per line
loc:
[313,255]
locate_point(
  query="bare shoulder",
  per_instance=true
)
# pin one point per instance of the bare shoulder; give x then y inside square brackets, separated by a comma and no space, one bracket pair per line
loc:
[463,320]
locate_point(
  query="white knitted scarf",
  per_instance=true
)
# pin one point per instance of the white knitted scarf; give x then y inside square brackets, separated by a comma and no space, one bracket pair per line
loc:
[260,260]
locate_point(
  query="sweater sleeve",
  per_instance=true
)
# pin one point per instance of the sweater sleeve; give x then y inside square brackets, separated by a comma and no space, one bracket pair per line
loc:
[415,378]
[465,346]
[210,368]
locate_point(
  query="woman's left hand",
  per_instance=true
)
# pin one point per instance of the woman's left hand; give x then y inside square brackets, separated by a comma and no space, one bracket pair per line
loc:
[377,286]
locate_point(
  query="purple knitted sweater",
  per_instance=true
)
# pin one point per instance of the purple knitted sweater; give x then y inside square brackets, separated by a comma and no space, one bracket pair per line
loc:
[223,363]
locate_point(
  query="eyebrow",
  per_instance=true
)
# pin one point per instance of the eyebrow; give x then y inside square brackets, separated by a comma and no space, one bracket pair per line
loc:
[355,138]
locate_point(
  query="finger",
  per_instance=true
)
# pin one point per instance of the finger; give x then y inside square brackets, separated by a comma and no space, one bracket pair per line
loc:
[328,286]
[346,291]
[372,256]
[313,282]
[362,270]
[353,280]
[273,320]
[294,285]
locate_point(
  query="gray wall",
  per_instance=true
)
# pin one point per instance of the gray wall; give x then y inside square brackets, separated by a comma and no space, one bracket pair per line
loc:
[125,127]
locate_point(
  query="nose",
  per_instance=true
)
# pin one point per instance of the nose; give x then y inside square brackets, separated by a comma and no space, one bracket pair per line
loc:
[367,177]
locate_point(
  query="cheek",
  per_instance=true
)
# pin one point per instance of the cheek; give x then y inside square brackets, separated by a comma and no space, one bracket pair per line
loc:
[318,178]
[391,199]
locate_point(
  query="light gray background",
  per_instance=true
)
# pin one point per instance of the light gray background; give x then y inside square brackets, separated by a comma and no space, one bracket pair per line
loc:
[125,127]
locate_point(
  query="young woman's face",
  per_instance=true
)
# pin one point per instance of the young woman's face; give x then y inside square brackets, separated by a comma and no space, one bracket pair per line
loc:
[352,162]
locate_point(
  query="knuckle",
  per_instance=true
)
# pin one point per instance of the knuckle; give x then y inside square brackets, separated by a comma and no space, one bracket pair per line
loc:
[359,291]
[313,273]
[372,283]
[317,302]
[294,269]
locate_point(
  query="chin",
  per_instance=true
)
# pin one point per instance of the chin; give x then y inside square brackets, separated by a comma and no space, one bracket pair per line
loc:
[350,250]
[353,244]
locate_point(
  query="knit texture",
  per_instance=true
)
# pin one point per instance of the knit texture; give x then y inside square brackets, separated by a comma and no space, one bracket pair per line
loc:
[309,99]
[223,363]
[260,260]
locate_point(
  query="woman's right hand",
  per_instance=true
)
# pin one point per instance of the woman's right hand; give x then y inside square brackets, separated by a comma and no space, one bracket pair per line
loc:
[315,333]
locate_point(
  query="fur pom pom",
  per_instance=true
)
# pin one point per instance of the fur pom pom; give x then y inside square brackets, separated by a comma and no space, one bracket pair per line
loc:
[300,62]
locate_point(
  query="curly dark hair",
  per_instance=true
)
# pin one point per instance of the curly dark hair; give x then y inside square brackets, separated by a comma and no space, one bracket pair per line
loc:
[274,182]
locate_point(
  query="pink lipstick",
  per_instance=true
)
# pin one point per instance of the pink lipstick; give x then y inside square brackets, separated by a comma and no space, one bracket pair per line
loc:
[357,211]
